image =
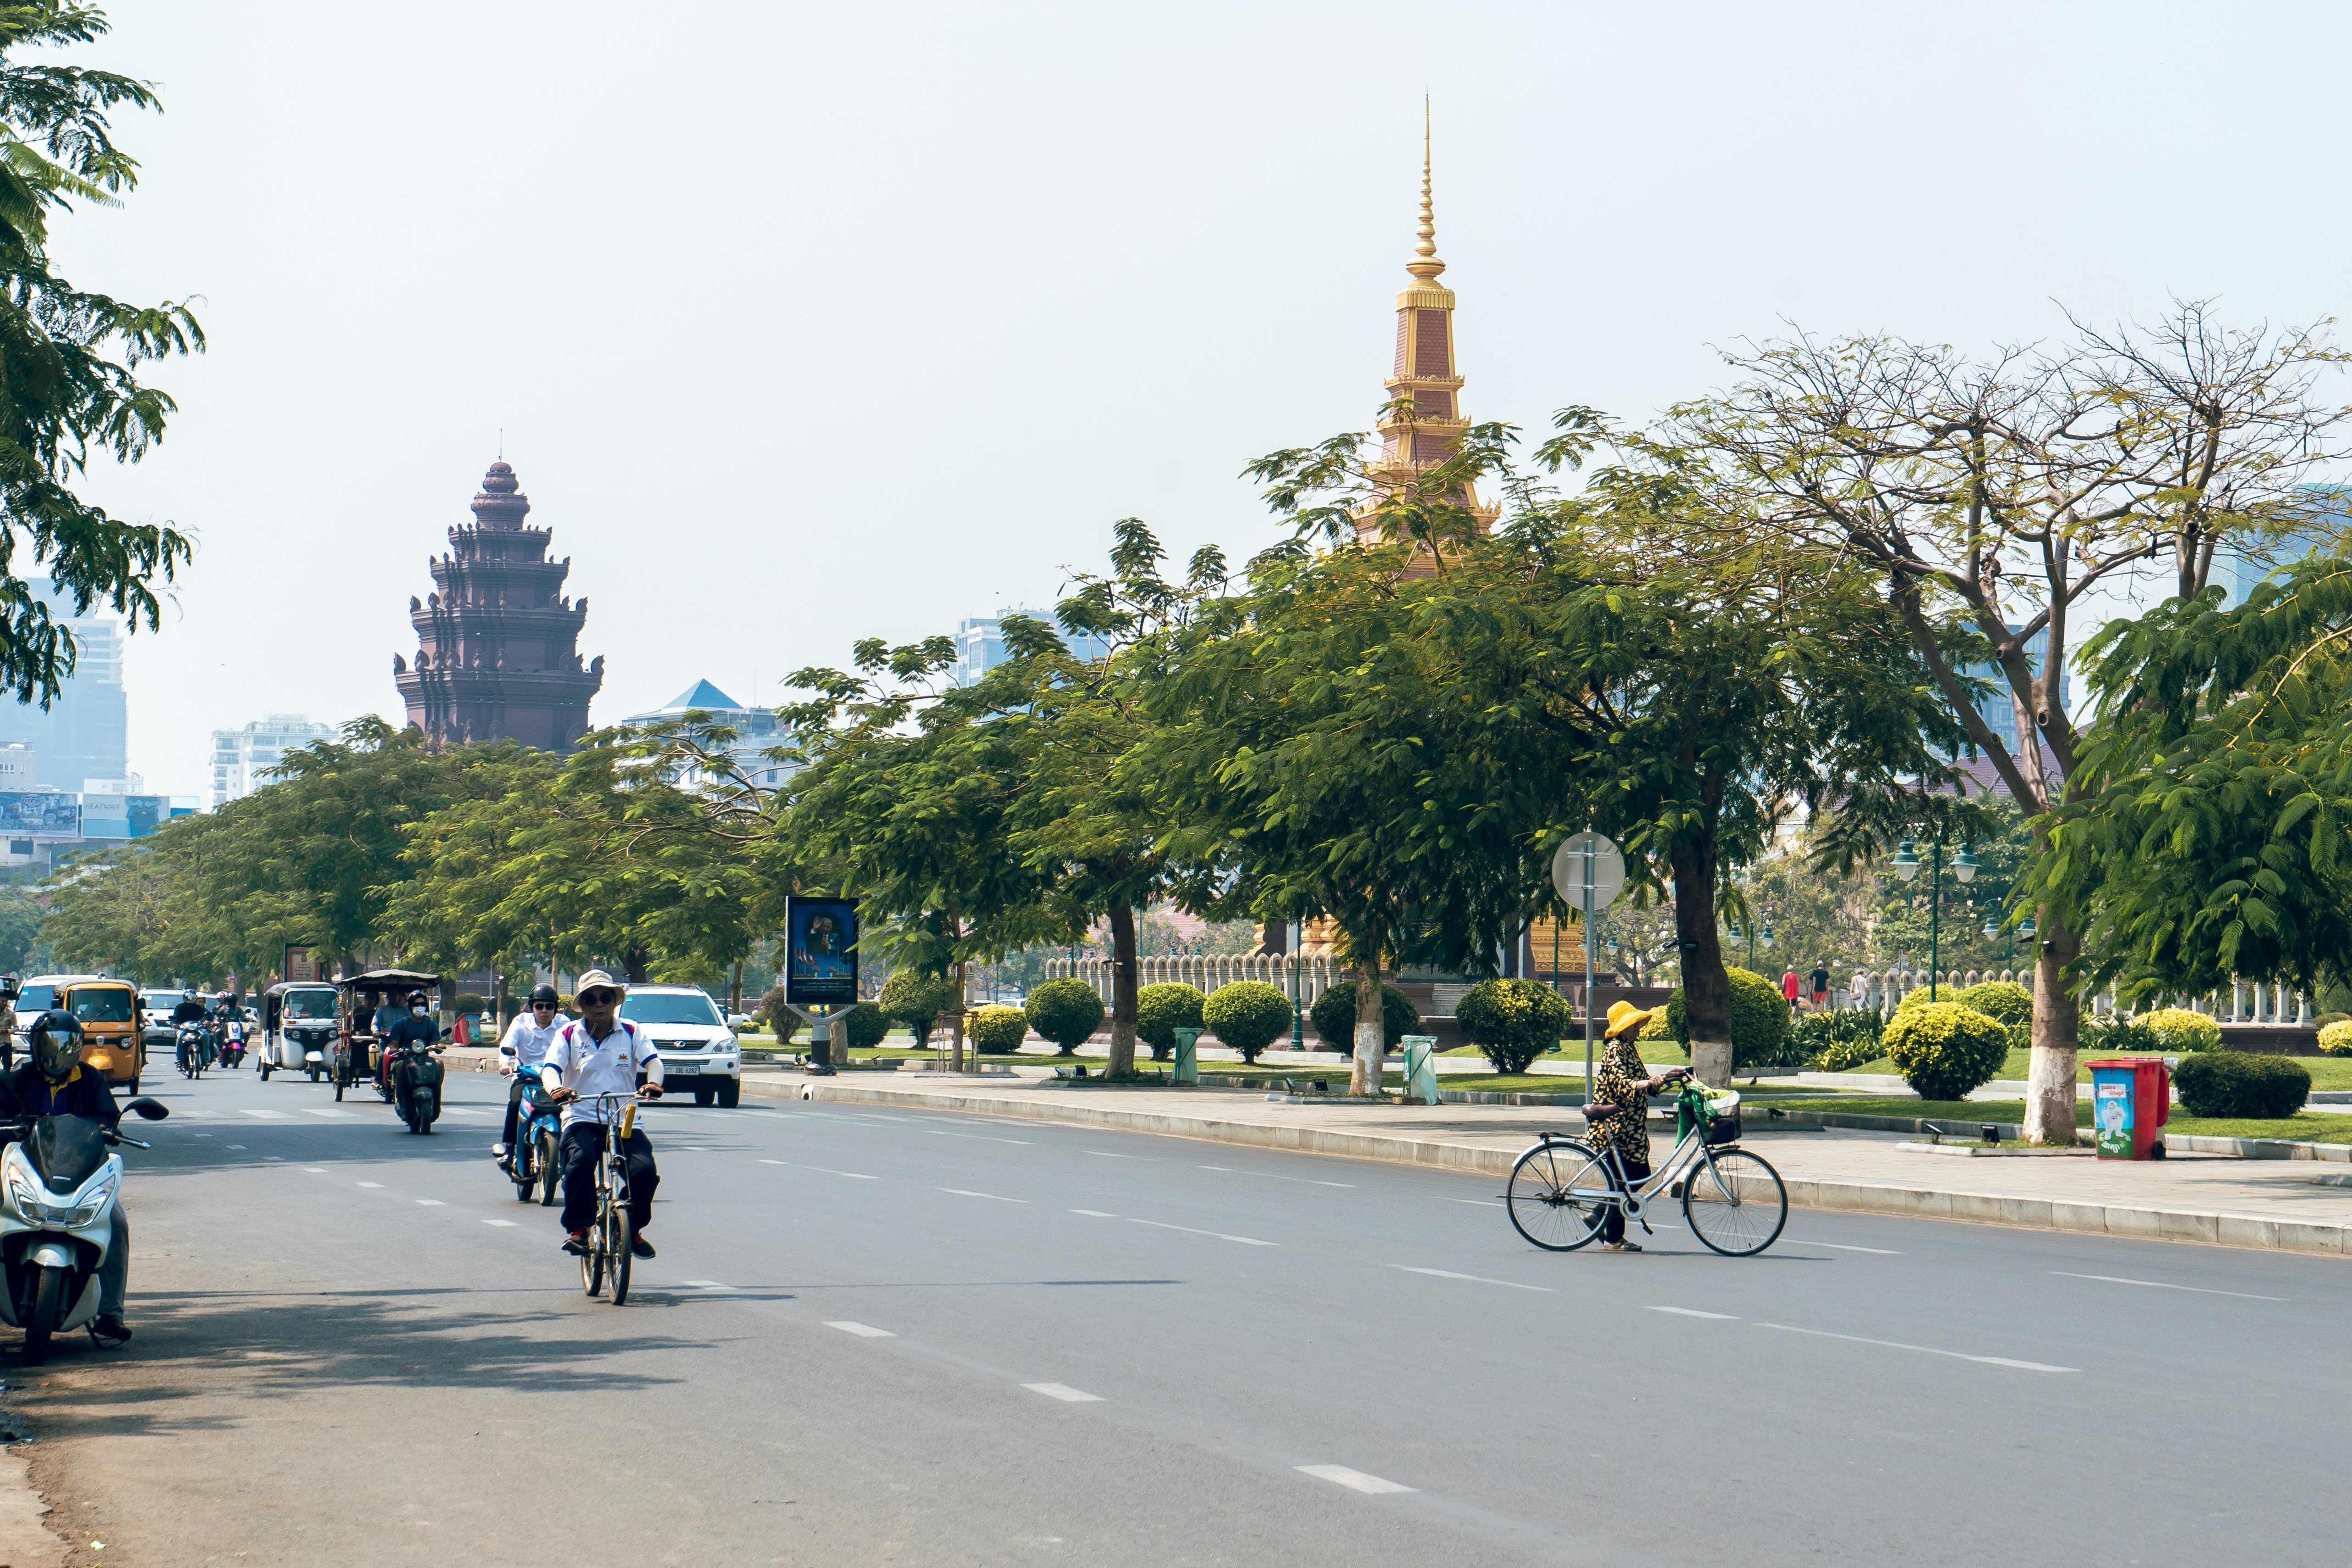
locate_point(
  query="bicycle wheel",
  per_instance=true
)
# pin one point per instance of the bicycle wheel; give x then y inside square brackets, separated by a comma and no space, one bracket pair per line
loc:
[622,1233]
[592,1262]
[1556,1195]
[1736,1205]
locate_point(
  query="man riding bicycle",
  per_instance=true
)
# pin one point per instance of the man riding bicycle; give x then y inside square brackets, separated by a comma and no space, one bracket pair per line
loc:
[600,1055]
[525,1045]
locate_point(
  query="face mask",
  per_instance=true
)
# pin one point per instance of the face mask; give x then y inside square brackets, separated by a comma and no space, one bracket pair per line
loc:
[416,1012]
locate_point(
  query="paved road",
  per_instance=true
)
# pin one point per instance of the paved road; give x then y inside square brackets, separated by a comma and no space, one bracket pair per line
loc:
[883,1336]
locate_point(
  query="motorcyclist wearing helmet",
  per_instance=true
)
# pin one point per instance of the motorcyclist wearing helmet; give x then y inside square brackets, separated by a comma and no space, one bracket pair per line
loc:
[525,1045]
[191,1010]
[54,1082]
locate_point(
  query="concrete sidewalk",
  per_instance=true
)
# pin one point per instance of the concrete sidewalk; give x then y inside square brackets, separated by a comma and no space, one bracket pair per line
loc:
[2217,1200]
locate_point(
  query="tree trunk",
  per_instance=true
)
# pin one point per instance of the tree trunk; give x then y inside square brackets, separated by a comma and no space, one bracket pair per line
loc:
[2049,1097]
[1372,1041]
[636,960]
[505,1005]
[955,1024]
[735,989]
[1122,992]
[1707,990]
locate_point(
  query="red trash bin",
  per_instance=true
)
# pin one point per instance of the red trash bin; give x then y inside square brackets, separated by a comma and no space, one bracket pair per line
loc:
[2131,1098]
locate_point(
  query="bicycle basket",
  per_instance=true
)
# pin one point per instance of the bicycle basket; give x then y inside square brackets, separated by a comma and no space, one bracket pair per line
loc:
[1722,1129]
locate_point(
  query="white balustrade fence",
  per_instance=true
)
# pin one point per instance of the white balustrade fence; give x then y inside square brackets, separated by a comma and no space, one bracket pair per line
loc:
[2246,1001]
[1313,977]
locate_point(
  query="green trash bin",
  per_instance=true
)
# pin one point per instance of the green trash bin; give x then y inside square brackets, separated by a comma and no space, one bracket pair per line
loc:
[1188,1056]
[1421,1068]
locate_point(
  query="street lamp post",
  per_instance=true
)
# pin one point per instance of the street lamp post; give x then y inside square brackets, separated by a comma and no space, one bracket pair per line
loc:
[1906,866]
[1298,962]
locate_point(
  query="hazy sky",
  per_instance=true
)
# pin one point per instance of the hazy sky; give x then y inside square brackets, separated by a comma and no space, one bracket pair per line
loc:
[812,322]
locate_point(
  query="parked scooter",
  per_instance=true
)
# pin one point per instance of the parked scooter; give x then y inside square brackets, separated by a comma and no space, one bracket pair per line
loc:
[58,1186]
[416,1085]
[532,1162]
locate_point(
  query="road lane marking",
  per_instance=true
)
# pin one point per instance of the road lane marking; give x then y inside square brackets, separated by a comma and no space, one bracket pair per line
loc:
[1692,1312]
[978,1137]
[1474,1278]
[1107,1155]
[430,1202]
[2160,1285]
[1472,1202]
[1064,1392]
[853,1175]
[966,1192]
[1354,1479]
[1193,1230]
[862,1331]
[1094,1214]
[1834,1247]
[316,1170]
[367,1184]
[708,1285]
[1269,1175]
[238,1147]
[330,1110]
[1923,1349]
[272,1115]
[278,1158]
[501,1223]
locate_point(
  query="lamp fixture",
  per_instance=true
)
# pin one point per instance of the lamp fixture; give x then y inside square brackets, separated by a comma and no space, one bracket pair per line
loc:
[1965,866]
[1907,861]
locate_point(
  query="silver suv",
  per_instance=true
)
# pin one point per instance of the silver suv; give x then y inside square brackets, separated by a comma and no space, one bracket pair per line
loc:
[698,1049]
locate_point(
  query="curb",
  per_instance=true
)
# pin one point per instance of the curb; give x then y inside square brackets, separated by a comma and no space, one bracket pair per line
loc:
[2212,1228]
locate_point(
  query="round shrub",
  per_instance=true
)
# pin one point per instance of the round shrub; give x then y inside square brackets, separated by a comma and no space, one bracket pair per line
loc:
[2335,1039]
[1512,1021]
[865,1025]
[1161,1010]
[2240,1086]
[999,1029]
[470,1002]
[1334,1017]
[1760,1020]
[2003,1001]
[1067,1012]
[2179,1030]
[778,1017]
[1944,1050]
[2323,1020]
[918,999]
[1248,1015]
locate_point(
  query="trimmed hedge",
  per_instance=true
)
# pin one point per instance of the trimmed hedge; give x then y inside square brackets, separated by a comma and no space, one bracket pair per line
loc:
[1656,1029]
[1334,1018]
[1512,1021]
[1760,1020]
[2003,1001]
[1247,1015]
[999,1030]
[470,1002]
[2335,1039]
[2236,1085]
[867,1026]
[1161,1010]
[918,999]
[1944,1050]
[1067,1012]
[2179,1029]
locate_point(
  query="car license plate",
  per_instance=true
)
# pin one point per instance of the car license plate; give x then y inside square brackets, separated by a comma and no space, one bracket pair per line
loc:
[681,1069]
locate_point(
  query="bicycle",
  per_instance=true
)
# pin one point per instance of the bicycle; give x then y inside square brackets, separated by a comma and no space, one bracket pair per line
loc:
[611,1234]
[1561,1192]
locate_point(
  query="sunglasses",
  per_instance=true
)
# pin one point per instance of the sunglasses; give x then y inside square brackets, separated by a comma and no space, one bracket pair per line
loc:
[598,998]
[542,1007]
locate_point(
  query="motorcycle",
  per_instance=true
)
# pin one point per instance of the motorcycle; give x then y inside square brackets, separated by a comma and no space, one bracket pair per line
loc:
[539,1133]
[416,1085]
[58,1186]
[194,1046]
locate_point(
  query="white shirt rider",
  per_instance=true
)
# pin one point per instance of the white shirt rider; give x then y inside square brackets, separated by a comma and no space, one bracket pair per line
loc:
[590,1066]
[527,1040]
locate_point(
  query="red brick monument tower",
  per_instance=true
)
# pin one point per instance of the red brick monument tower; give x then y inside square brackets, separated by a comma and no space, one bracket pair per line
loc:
[497,642]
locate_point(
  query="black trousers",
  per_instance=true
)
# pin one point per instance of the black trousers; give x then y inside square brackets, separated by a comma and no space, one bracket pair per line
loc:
[1612,1228]
[583,1141]
[514,1107]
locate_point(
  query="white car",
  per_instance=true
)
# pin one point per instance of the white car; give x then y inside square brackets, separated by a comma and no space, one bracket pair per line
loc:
[698,1049]
[155,1007]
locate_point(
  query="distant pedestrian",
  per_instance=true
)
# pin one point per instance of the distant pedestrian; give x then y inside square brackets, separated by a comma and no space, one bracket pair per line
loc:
[1789,988]
[1821,985]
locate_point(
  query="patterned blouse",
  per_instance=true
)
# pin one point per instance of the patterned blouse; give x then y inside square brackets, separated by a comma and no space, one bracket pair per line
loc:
[1621,1080]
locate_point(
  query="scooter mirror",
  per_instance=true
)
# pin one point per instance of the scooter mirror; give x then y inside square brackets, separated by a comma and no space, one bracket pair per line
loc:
[148,1110]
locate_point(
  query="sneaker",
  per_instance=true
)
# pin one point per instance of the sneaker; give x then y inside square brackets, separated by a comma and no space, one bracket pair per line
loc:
[106,1326]
[642,1247]
[576,1244]
[1620,1247]
[498,1152]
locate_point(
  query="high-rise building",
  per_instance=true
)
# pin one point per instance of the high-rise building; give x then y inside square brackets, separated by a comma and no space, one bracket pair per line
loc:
[84,733]
[756,731]
[240,757]
[498,642]
[980,643]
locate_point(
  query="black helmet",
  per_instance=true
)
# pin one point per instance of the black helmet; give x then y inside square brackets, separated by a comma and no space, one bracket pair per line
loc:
[55,1041]
[416,998]
[545,994]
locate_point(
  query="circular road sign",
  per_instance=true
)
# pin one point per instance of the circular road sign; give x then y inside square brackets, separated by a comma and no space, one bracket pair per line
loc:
[1588,865]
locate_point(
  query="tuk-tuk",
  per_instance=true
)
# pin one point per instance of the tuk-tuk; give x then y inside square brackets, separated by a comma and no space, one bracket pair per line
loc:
[359,1054]
[298,1020]
[113,1034]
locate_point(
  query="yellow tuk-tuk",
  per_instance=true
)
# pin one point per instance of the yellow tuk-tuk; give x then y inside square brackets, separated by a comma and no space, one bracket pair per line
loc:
[112,1032]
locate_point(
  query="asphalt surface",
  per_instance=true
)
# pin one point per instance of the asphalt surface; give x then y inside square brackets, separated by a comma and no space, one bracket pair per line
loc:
[887,1336]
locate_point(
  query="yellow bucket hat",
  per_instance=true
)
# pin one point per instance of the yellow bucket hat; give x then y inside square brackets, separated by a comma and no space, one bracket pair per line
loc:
[1623,1016]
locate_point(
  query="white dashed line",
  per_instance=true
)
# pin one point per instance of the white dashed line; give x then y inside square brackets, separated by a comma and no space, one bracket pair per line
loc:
[1472,1202]
[2160,1285]
[501,1223]
[279,1159]
[821,1170]
[978,1137]
[316,1170]
[1064,1392]
[1269,1175]
[272,1115]
[1094,1214]
[965,1192]
[1923,1350]
[1107,1155]
[1192,1230]
[331,1112]
[708,1285]
[430,1203]
[1354,1479]
[1690,1313]
[1834,1247]
[1474,1278]
[238,1147]
[863,1330]
[367,1184]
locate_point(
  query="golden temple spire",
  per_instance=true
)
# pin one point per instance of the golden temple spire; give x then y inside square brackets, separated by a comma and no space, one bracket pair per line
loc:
[1428,267]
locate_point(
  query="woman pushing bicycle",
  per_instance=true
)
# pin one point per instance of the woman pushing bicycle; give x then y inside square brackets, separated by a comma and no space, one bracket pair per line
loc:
[593,1062]
[1617,1114]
